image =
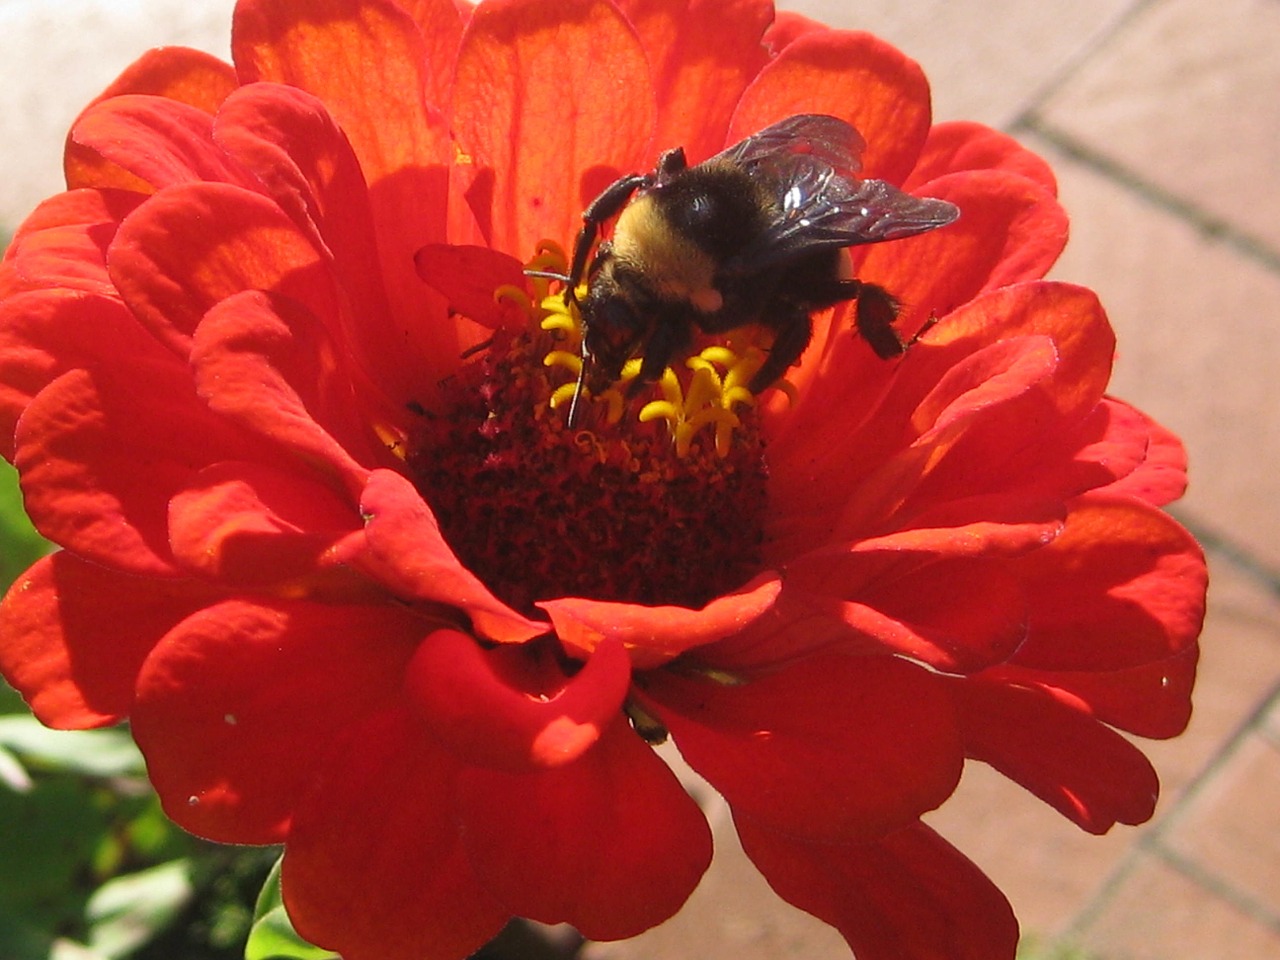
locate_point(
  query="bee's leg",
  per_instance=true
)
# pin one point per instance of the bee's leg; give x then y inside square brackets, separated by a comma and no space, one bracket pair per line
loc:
[612,199]
[669,338]
[874,313]
[930,322]
[793,334]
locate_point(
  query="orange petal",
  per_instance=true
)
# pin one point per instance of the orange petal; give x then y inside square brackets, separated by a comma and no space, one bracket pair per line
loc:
[856,77]
[1121,569]
[271,366]
[195,244]
[366,59]
[176,73]
[440,23]
[573,109]
[266,528]
[79,446]
[468,276]
[1010,230]
[1044,741]
[831,748]
[702,54]
[157,143]
[963,145]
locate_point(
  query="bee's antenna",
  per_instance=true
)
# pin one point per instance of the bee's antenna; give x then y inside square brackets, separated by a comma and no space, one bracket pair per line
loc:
[577,389]
[548,275]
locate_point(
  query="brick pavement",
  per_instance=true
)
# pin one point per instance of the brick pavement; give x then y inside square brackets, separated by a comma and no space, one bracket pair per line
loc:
[1163,122]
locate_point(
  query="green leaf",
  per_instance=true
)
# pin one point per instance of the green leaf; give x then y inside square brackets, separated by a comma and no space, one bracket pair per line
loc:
[273,936]
[94,753]
[20,545]
[50,832]
[129,910]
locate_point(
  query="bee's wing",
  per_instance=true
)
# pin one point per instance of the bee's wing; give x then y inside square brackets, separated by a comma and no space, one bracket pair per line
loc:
[828,140]
[819,207]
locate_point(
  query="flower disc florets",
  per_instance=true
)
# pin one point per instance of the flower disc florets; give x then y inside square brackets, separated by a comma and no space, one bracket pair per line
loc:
[647,501]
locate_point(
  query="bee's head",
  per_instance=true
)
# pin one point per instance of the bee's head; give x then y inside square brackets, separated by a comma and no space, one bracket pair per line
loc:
[616,328]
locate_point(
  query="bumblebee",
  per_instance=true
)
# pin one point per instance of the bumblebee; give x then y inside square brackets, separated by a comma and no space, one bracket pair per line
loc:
[754,235]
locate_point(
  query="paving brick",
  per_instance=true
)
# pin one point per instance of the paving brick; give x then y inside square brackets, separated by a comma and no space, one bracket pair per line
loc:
[986,61]
[1048,868]
[1199,345]
[1159,913]
[1229,828]
[1185,97]
[1270,724]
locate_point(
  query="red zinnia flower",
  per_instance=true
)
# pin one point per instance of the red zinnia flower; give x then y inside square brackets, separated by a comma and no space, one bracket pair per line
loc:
[329,546]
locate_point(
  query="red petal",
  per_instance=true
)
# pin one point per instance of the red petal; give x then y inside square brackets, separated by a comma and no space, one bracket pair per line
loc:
[854,76]
[978,406]
[251,525]
[294,146]
[407,553]
[1151,699]
[192,245]
[1111,442]
[75,635]
[46,333]
[910,896]
[574,109]
[512,707]
[1010,230]
[958,615]
[832,748]
[611,843]
[79,447]
[1161,477]
[702,54]
[374,866]
[1086,771]
[813,456]
[1070,315]
[468,277]
[159,142]
[239,703]
[655,635]
[1124,585]
[269,365]
[64,243]
[964,145]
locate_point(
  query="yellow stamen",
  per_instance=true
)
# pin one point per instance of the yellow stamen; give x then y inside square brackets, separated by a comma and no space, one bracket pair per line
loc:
[703,398]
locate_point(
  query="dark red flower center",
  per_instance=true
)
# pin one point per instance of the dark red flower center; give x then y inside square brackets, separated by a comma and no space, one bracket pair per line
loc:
[608,510]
